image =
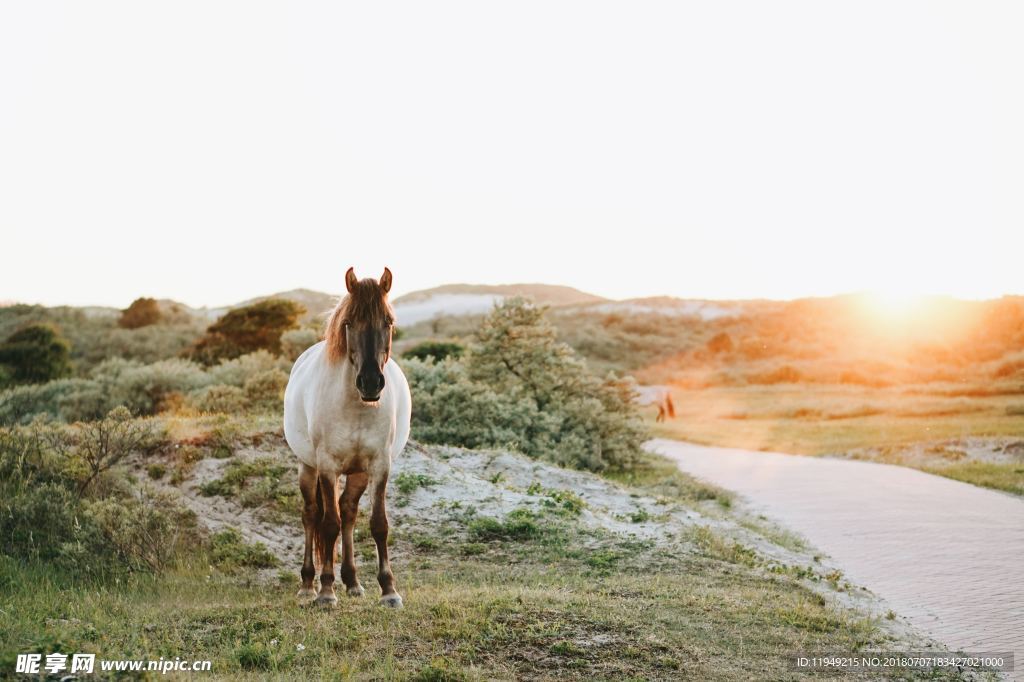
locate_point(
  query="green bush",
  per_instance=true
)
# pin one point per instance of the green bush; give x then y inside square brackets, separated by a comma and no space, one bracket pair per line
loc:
[521,524]
[149,529]
[229,550]
[143,388]
[64,399]
[35,354]
[253,380]
[294,342]
[438,350]
[519,387]
[237,371]
[47,514]
[265,390]
[452,409]
[407,482]
[219,398]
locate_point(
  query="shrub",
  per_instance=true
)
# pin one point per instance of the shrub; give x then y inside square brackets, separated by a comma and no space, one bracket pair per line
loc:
[98,446]
[245,330]
[149,529]
[142,388]
[590,423]
[450,408]
[294,342]
[253,380]
[407,482]
[44,516]
[237,371]
[67,399]
[35,354]
[229,550]
[47,522]
[141,313]
[519,387]
[521,524]
[265,390]
[438,350]
[219,398]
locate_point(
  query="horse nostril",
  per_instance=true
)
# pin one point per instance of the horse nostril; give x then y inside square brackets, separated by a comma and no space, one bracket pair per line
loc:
[380,383]
[359,382]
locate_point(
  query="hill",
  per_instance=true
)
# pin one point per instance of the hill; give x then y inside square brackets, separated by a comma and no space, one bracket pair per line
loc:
[476,299]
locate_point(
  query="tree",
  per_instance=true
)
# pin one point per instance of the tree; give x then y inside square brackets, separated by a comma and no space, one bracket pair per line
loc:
[36,354]
[586,422]
[248,329]
[141,313]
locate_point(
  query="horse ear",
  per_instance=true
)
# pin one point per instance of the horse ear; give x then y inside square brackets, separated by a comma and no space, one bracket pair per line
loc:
[385,281]
[350,279]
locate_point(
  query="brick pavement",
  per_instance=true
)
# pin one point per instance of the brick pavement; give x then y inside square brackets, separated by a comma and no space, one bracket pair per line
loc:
[947,555]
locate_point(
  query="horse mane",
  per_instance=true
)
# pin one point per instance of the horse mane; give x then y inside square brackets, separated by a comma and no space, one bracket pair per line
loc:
[366,303]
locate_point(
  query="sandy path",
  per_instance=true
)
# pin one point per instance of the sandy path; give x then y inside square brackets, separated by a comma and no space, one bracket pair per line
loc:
[948,555]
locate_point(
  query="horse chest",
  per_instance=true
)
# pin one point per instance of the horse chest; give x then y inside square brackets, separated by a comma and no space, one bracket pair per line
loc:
[356,442]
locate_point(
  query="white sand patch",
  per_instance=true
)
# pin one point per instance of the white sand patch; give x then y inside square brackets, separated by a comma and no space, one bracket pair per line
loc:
[495,483]
[439,305]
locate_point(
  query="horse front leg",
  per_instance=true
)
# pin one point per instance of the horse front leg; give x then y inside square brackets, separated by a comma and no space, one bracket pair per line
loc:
[355,484]
[311,512]
[379,530]
[328,538]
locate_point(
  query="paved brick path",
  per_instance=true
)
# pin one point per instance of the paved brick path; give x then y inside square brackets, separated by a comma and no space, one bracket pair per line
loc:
[948,555]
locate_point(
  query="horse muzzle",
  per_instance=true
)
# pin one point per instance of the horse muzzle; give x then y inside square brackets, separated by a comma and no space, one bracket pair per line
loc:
[370,387]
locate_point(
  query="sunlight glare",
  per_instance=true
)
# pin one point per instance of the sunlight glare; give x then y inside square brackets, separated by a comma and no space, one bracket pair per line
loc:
[895,302]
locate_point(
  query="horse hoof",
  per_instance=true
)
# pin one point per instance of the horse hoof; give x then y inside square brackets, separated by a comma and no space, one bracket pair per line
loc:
[356,591]
[306,594]
[327,601]
[392,601]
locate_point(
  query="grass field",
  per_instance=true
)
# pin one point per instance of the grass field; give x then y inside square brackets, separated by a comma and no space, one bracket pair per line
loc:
[466,618]
[521,603]
[534,595]
[870,423]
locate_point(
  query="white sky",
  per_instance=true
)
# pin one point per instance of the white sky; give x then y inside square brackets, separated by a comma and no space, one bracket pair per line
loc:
[213,151]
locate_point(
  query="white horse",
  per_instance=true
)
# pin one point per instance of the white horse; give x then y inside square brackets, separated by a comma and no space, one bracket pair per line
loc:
[346,412]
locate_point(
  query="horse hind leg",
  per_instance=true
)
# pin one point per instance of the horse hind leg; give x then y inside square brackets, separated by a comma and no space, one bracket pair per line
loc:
[355,484]
[330,525]
[379,530]
[312,511]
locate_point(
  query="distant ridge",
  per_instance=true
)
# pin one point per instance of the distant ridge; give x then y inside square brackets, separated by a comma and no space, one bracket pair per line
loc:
[547,294]
[478,299]
[316,303]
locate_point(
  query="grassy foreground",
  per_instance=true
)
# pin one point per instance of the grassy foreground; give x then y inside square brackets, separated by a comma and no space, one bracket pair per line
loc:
[880,423]
[495,616]
[535,595]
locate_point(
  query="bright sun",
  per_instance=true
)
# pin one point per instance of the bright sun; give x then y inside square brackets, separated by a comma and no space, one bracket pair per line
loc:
[897,307]
[895,301]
